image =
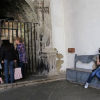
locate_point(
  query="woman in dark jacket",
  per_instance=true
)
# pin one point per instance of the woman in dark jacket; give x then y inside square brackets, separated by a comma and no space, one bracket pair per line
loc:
[8,55]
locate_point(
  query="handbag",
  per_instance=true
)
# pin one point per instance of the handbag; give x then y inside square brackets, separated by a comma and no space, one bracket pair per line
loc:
[17,73]
[1,81]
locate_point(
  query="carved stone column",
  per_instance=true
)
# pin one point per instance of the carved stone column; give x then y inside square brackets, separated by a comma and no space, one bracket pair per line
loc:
[49,59]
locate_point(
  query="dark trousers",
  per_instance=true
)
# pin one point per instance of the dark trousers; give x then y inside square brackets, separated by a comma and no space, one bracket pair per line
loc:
[22,65]
[9,71]
[93,74]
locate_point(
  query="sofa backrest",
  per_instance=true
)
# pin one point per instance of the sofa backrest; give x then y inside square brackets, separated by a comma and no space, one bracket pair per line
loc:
[84,59]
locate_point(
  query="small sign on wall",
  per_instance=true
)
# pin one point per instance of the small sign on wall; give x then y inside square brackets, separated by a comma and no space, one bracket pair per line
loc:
[71,50]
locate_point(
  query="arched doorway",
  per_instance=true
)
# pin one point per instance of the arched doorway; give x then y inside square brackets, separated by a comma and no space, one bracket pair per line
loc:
[18,9]
[17,19]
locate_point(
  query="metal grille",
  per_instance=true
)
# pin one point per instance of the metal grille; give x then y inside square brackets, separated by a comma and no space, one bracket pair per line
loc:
[25,30]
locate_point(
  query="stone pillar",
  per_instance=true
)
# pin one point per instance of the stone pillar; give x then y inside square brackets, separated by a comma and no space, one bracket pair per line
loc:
[58,29]
[49,59]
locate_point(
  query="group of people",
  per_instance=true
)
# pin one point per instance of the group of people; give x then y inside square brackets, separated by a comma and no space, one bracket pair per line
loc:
[9,55]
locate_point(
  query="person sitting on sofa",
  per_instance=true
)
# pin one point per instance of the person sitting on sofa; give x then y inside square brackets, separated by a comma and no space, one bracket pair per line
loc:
[95,72]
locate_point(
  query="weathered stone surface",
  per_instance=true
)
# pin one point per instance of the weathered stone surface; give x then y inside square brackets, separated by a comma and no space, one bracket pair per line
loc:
[35,11]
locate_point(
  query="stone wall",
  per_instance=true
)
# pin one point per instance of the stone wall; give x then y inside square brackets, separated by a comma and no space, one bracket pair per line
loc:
[19,10]
[36,11]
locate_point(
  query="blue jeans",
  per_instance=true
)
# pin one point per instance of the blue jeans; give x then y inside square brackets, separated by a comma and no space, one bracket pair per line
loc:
[9,71]
[93,74]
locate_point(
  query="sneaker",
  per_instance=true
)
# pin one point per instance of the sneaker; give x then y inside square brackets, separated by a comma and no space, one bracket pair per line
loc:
[86,85]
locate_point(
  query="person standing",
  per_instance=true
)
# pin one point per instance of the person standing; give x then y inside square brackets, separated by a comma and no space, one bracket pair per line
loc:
[21,55]
[8,55]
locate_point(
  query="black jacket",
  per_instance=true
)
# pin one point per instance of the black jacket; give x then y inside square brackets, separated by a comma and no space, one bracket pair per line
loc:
[7,52]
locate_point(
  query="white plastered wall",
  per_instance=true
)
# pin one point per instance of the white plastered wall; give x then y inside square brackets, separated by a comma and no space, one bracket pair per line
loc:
[82,18]
[75,24]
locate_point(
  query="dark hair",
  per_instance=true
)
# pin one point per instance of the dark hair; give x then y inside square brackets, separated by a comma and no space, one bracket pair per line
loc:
[5,42]
[99,50]
[99,54]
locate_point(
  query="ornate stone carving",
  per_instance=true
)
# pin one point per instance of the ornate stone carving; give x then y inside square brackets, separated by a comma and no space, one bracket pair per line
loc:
[48,57]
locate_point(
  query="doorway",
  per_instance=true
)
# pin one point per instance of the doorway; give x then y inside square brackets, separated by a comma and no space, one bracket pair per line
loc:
[11,29]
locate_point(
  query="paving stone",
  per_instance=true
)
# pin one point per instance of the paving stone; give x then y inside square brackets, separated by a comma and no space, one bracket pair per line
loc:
[34,80]
[58,90]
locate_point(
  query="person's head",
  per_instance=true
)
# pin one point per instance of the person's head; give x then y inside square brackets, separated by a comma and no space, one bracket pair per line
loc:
[5,43]
[99,50]
[18,40]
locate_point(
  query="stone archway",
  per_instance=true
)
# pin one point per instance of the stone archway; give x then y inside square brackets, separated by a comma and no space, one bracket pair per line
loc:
[17,9]
[33,11]
[17,19]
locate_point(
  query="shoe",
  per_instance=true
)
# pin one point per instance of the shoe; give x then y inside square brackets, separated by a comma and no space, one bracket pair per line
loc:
[86,85]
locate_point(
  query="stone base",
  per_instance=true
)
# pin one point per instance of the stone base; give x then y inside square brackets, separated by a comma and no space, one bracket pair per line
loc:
[80,76]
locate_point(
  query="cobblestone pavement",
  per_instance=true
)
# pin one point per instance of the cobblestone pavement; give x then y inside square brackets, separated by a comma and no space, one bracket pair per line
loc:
[59,90]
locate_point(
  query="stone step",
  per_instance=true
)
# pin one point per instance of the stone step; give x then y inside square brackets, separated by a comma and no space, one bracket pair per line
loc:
[80,76]
[4,87]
